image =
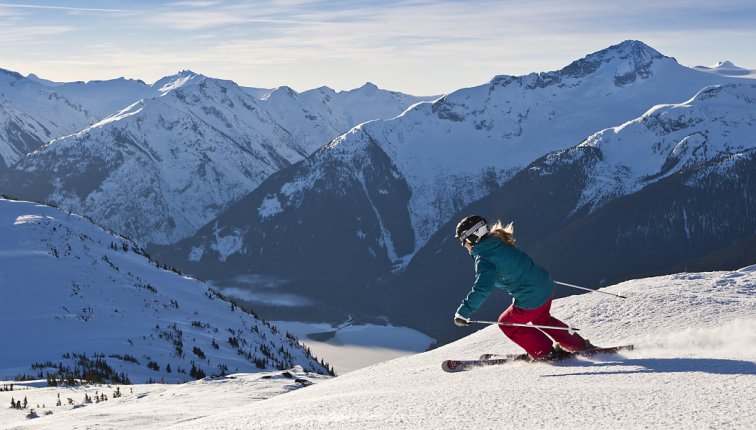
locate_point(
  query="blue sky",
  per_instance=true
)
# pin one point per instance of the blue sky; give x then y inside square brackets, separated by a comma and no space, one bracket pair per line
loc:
[417,46]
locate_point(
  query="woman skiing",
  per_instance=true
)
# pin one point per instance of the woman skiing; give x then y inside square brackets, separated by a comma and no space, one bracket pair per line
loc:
[499,263]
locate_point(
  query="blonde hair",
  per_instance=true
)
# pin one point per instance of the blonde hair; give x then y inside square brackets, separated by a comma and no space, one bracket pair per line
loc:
[504,233]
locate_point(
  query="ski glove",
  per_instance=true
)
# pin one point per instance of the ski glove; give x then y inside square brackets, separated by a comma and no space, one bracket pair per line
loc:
[461,321]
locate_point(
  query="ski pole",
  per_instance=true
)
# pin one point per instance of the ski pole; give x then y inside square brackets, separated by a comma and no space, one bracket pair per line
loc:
[570,330]
[588,289]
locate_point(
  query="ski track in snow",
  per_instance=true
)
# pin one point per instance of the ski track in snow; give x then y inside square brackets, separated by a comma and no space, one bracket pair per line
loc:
[694,367]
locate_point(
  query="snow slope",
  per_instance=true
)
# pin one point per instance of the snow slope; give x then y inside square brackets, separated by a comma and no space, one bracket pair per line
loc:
[69,288]
[143,406]
[694,367]
[717,123]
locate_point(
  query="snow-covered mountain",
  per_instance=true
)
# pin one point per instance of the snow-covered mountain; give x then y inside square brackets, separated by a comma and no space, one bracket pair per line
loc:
[693,367]
[31,114]
[105,98]
[166,165]
[34,111]
[716,124]
[77,299]
[727,68]
[368,202]
[317,116]
[644,197]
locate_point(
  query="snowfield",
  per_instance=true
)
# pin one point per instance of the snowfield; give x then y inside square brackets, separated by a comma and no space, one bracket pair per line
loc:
[71,293]
[694,367]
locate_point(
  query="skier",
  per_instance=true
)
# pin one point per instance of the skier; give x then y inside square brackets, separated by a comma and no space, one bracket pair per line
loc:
[499,263]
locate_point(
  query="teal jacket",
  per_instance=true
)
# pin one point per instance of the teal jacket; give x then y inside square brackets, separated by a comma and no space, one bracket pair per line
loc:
[505,266]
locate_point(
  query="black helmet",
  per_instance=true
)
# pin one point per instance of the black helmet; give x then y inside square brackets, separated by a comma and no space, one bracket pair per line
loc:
[471,229]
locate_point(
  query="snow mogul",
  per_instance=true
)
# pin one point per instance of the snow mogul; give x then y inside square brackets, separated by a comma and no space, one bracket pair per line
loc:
[498,262]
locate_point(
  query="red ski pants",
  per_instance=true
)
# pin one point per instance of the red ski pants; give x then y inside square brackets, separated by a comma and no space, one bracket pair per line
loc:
[535,341]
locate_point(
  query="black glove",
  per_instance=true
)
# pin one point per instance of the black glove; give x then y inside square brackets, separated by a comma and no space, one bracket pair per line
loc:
[461,321]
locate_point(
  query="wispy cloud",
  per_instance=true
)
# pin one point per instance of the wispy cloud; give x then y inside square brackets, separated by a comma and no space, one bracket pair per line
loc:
[66,8]
[201,17]
[30,35]
[197,3]
[196,20]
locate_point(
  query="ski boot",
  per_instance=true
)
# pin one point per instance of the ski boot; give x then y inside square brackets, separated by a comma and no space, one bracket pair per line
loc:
[556,354]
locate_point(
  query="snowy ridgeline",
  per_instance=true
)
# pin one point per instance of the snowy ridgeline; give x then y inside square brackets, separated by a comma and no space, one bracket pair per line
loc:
[79,302]
[197,143]
[694,367]
[406,177]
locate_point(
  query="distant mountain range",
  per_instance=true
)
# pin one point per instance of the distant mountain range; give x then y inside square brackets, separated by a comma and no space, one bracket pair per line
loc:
[177,152]
[621,164]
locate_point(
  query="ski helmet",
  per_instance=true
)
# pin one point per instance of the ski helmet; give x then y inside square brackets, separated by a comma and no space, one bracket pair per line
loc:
[471,229]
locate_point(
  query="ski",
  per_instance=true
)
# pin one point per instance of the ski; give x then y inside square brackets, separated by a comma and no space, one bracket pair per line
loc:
[460,365]
[605,350]
[496,359]
[597,350]
[505,357]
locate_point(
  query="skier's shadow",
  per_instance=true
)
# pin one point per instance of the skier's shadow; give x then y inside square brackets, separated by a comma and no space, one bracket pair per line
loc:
[714,366]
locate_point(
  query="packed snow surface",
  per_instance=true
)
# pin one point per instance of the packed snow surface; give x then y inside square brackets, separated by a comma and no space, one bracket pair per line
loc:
[694,367]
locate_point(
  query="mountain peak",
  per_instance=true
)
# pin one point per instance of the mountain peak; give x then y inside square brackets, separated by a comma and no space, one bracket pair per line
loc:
[187,73]
[726,65]
[178,80]
[633,46]
[632,59]
[9,74]
[34,78]
[282,91]
[368,88]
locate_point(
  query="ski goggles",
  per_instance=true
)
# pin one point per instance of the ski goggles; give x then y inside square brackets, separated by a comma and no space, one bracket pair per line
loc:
[479,229]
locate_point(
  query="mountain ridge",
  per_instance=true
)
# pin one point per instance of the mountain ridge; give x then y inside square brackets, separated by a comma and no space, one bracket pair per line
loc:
[202,142]
[447,154]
